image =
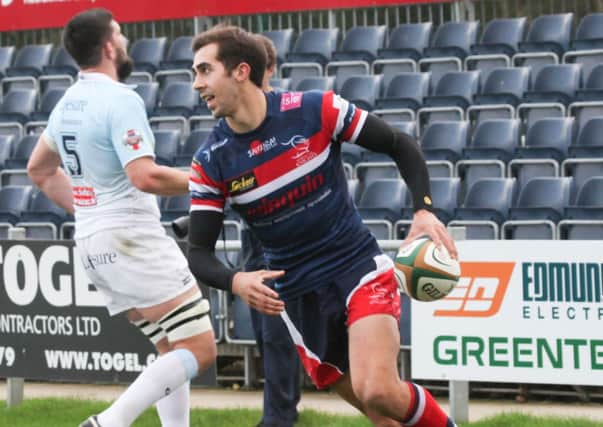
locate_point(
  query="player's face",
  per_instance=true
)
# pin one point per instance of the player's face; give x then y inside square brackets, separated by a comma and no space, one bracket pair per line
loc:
[215,86]
[123,63]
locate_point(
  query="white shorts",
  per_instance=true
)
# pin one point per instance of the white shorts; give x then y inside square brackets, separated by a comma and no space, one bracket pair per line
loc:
[135,267]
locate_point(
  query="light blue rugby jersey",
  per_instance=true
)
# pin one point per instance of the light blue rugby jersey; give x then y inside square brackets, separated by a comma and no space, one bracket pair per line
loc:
[98,127]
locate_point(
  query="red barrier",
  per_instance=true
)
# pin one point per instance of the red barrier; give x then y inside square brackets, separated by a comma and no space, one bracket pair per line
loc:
[30,14]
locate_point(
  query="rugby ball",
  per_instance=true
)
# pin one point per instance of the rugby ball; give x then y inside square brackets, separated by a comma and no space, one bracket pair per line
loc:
[424,272]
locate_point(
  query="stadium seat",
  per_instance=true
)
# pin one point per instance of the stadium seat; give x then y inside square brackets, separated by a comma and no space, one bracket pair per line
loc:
[587,47]
[445,140]
[166,146]
[192,143]
[283,41]
[384,199]
[494,139]
[407,41]
[361,44]
[314,45]
[41,209]
[382,229]
[178,99]
[548,138]
[352,154]
[149,93]
[485,207]
[6,149]
[281,84]
[498,43]
[353,190]
[539,206]
[47,103]
[6,58]
[17,105]
[175,207]
[362,91]
[456,88]
[62,63]
[451,44]
[445,193]
[583,220]
[30,60]
[179,55]
[501,36]
[592,89]
[409,128]
[14,200]
[242,330]
[556,83]
[147,53]
[405,90]
[589,142]
[315,83]
[548,33]
[22,152]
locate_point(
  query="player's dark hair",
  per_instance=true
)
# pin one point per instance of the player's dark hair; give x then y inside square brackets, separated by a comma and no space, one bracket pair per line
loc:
[235,46]
[85,34]
[270,50]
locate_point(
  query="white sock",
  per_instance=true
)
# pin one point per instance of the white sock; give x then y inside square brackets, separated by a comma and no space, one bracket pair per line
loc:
[174,408]
[162,377]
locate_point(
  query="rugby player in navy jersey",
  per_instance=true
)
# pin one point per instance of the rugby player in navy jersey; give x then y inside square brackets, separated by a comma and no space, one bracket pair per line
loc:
[276,158]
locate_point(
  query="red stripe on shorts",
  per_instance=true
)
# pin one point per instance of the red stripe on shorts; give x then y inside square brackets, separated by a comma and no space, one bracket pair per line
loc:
[379,296]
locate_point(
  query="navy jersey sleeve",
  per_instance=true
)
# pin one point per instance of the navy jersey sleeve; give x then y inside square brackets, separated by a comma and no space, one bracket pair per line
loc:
[341,118]
[205,186]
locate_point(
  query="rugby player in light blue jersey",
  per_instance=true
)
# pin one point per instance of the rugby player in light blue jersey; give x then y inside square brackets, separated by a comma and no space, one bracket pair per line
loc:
[100,132]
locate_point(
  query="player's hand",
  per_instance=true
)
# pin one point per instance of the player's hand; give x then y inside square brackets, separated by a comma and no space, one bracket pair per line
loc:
[251,288]
[425,223]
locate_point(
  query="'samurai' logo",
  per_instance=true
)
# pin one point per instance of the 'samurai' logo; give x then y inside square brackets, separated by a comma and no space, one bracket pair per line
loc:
[479,292]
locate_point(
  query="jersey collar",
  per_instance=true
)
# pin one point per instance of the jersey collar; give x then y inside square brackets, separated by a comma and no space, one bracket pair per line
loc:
[89,76]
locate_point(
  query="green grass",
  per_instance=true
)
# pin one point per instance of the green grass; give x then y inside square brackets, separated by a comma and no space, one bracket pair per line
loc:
[70,412]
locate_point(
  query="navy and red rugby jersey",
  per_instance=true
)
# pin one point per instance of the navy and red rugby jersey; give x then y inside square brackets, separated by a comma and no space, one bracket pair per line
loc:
[286,180]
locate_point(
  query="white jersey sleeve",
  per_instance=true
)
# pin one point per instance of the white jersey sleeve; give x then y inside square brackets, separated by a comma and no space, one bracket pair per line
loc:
[130,131]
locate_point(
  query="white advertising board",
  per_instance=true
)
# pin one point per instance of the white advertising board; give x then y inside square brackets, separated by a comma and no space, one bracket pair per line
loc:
[523,311]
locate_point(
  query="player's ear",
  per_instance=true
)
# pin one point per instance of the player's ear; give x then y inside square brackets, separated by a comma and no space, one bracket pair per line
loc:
[242,72]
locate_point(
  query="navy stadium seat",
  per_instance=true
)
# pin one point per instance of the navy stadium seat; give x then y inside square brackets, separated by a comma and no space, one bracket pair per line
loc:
[147,53]
[501,36]
[179,55]
[6,148]
[30,60]
[62,63]
[592,89]
[548,138]
[283,41]
[149,93]
[504,86]
[361,44]
[454,88]
[166,146]
[178,99]
[314,45]
[407,41]
[383,199]
[494,139]
[556,83]
[549,33]
[589,34]
[6,58]
[47,103]
[445,140]
[175,207]
[445,194]
[362,90]
[22,152]
[589,201]
[315,83]
[352,153]
[405,90]
[42,209]
[453,39]
[17,105]
[282,84]
[13,202]
[191,145]
[589,141]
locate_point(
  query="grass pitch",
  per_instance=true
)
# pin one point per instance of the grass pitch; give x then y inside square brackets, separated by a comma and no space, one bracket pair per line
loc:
[70,412]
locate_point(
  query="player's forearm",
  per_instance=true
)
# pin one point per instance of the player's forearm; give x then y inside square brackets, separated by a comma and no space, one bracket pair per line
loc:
[57,187]
[165,181]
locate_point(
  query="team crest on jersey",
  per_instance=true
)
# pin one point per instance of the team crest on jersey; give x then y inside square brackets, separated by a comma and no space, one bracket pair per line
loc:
[132,139]
[243,183]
